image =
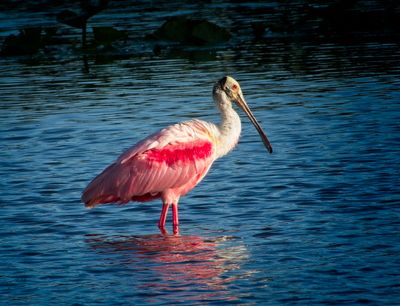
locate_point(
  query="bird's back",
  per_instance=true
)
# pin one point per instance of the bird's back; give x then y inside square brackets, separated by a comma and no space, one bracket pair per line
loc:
[176,157]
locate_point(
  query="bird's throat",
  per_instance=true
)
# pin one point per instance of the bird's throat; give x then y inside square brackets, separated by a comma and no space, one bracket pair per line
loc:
[229,128]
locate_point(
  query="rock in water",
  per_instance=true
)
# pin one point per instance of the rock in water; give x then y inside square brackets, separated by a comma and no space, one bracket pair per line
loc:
[191,31]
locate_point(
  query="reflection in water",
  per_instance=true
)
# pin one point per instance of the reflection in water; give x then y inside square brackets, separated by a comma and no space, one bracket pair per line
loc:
[188,268]
[319,219]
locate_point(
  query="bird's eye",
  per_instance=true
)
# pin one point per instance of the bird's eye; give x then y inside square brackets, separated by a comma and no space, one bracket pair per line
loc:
[234,87]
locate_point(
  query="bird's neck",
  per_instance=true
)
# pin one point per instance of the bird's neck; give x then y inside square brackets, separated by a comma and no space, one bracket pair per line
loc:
[229,129]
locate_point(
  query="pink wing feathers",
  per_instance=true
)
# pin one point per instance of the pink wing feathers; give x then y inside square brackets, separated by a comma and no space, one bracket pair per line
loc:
[177,157]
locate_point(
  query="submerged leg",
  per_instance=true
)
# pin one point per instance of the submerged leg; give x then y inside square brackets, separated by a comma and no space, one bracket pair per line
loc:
[175,218]
[163,218]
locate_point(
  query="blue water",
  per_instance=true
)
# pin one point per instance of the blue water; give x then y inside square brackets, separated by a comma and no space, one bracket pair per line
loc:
[316,222]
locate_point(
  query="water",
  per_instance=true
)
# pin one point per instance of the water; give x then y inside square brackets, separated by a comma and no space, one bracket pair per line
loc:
[316,222]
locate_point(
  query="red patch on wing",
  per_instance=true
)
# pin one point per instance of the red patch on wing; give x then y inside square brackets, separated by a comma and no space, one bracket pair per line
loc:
[186,152]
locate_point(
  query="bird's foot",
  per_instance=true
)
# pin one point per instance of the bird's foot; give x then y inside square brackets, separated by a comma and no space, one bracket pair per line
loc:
[163,230]
[175,229]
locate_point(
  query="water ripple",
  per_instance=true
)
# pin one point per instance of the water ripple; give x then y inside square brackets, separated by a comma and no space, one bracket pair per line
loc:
[316,222]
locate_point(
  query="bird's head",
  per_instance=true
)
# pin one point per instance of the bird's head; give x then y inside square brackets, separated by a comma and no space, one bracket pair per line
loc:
[226,91]
[231,88]
[228,88]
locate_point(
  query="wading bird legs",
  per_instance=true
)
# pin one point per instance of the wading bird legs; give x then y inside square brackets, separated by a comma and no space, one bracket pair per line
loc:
[163,218]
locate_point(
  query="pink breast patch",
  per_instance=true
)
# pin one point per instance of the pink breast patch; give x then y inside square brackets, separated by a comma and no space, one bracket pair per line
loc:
[184,152]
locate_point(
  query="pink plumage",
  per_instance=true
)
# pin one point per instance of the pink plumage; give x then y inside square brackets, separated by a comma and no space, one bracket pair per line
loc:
[171,162]
[160,166]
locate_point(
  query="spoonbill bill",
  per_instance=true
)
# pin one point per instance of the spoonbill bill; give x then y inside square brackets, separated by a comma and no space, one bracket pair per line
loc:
[171,162]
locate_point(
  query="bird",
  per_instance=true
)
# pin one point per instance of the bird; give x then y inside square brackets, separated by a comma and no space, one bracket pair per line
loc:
[171,162]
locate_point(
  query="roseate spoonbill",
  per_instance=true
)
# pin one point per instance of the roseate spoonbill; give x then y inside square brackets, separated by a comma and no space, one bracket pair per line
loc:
[171,162]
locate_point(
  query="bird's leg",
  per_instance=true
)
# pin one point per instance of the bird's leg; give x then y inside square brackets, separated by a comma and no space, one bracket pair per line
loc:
[163,218]
[175,218]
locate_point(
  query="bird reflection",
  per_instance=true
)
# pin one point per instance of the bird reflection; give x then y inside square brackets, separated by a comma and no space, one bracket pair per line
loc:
[185,267]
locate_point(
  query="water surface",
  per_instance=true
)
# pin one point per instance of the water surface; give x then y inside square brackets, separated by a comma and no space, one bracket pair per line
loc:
[316,222]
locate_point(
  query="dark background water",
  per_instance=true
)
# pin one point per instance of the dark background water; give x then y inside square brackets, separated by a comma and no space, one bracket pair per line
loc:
[316,222]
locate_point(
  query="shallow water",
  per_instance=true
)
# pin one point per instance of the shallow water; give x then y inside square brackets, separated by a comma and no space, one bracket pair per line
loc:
[316,222]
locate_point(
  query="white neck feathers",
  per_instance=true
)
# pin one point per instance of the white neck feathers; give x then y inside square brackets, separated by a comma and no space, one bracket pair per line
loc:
[229,127]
